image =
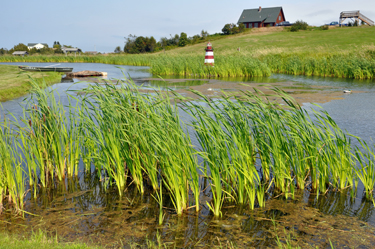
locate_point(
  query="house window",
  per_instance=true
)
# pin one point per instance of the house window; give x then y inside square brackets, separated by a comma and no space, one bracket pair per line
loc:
[279,18]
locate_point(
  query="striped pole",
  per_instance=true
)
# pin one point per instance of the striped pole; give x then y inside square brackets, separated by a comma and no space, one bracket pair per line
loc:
[209,58]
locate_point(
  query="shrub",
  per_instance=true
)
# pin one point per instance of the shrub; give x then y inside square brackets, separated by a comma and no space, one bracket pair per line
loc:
[325,27]
[293,28]
[299,25]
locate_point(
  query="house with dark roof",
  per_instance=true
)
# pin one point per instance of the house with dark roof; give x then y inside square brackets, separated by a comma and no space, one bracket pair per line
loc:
[36,45]
[262,17]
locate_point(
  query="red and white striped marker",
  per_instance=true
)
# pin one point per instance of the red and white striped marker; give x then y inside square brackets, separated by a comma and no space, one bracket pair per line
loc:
[209,58]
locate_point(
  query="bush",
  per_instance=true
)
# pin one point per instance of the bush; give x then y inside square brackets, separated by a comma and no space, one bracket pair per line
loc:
[325,27]
[299,25]
[293,28]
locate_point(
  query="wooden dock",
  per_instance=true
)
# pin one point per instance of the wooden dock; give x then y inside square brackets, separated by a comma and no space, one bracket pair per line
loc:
[357,16]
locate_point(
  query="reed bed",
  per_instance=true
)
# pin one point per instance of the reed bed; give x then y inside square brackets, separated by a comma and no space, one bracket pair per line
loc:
[340,65]
[327,65]
[191,65]
[250,148]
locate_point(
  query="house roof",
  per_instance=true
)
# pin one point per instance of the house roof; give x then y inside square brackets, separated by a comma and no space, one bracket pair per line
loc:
[267,15]
[33,44]
[20,52]
[71,49]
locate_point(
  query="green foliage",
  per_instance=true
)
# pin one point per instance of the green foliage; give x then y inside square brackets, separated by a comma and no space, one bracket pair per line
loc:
[183,41]
[241,27]
[117,49]
[227,29]
[325,27]
[299,25]
[19,47]
[231,28]
[58,51]
[235,30]
[3,51]
[204,34]
[56,45]
[140,44]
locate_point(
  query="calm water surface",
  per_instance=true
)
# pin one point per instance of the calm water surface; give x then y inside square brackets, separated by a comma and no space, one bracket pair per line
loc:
[83,209]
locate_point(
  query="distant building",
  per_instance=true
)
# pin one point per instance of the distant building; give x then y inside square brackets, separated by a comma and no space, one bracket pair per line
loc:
[91,52]
[71,50]
[20,53]
[262,17]
[36,45]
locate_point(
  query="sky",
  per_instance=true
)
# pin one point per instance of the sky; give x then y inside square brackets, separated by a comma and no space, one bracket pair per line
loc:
[102,25]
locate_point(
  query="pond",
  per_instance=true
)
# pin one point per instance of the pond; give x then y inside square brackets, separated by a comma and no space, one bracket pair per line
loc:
[84,209]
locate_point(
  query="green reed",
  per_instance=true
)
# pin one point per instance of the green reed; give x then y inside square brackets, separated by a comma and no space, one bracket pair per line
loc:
[12,180]
[340,65]
[251,147]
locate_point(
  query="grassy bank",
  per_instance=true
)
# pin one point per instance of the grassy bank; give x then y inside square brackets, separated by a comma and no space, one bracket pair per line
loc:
[15,82]
[347,52]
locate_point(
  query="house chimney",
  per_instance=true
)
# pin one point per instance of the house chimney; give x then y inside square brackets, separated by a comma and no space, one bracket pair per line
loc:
[260,9]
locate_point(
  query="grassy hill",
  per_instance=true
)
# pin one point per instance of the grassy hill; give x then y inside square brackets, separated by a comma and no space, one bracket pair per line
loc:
[277,40]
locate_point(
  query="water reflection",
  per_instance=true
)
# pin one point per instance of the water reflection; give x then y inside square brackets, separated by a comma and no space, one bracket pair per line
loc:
[87,209]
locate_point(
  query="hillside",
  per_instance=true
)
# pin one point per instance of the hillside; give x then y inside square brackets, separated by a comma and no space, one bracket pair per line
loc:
[276,40]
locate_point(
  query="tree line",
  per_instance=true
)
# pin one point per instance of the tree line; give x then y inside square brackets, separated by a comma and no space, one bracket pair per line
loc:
[140,44]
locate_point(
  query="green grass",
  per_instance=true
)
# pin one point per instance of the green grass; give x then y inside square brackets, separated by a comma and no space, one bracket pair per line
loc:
[37,240]
[278,41]
[15,83]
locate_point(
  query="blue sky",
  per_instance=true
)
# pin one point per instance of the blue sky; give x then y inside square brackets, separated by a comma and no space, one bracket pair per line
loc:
[104,24]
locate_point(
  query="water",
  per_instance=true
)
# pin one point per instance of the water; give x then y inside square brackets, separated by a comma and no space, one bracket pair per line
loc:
[83,209]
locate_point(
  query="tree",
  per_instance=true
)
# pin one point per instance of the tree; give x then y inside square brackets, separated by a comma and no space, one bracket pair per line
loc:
[183,41]
[235,30]
[118,49]
[241,27]
[58,51]
[129,44]
[20,47]
[175,40]
[195,39]
[56,45]
[140,44]
[151,44]
[3,51]
[300,25]
[204,34]
[227,29]
[164,42]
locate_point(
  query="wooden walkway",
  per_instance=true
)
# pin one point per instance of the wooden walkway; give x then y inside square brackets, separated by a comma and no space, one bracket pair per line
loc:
[357,16]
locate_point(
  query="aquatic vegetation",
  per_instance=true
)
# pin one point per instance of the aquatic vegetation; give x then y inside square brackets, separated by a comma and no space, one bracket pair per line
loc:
[248,148]
[340,65]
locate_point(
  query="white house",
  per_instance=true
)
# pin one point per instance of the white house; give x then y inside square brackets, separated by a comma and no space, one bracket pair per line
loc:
[36,45]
